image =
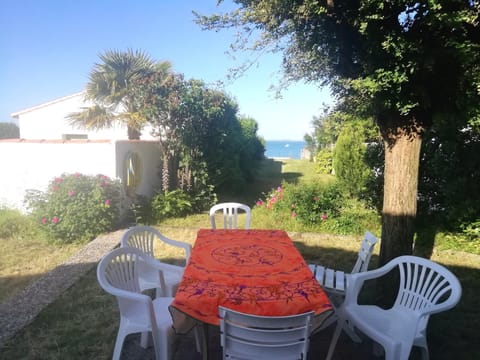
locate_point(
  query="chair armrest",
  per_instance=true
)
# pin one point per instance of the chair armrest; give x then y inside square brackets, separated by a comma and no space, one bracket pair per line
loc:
[158,265]
[186,246]
[129,295]
[355,281]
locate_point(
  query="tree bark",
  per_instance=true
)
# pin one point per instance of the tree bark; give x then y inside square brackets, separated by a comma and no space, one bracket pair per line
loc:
[402,158]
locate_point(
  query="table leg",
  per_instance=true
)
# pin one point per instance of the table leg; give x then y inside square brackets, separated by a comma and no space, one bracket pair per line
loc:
[205,339]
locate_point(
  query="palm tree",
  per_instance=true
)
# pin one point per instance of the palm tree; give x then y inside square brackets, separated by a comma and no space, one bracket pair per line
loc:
[110,88]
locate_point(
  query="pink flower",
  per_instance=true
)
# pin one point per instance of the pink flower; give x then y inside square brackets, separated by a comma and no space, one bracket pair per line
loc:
[57,180]
[259,203]
[324,217]
[107,202]
[294,214]
[71,193]
[77,174]
[44,221]
[54,188]
[315,198]
[55,220]
[279,189]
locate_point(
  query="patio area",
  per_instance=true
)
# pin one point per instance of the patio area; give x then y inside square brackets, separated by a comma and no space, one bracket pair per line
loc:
[185,347]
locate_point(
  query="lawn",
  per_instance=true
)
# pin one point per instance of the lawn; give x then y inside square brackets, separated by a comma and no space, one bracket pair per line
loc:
[24,260]
[82,323]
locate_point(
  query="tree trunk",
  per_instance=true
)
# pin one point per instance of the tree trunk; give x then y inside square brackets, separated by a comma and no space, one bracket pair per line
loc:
[402,159]
[133,134]
[165,170]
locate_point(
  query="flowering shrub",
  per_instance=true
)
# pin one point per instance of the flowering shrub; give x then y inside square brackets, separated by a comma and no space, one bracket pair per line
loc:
[307,203]
[76,207]
[315,207]
[314,203]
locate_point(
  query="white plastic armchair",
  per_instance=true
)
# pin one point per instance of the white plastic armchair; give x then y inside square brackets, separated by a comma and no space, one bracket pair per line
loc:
[425,288]
[118,274]
[144,238]
[244,336]
[230,212]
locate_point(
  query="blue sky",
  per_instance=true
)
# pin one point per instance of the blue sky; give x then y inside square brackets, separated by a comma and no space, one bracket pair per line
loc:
[50,46]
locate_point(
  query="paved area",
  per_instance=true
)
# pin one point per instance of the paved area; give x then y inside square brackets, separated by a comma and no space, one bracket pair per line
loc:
[184,348]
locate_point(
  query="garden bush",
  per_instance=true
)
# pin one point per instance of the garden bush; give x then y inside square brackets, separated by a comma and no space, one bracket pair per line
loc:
[317,207]
[324,161]
[15,225]
[77,207]
[170,204]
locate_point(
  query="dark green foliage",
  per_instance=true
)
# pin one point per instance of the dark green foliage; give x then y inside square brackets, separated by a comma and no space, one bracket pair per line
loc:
[202,139]
[9,131]
[349,160]
[76,207]
[324,161]
[170,204]
[449,186]
[140,211]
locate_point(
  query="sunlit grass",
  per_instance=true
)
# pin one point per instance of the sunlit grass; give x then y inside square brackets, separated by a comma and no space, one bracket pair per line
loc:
[24,260]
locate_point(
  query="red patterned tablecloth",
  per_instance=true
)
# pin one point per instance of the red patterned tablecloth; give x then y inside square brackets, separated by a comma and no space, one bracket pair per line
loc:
[258,272]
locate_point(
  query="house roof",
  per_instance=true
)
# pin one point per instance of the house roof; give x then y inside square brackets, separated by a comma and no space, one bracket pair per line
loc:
[48,103]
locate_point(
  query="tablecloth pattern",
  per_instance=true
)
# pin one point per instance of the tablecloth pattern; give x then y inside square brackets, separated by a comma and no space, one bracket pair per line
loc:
[258,272]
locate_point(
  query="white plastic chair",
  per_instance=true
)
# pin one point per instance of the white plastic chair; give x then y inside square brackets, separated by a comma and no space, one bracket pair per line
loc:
[244,336]
[144,238]
[118,273]
[334,282]
[230,212]
[425,288]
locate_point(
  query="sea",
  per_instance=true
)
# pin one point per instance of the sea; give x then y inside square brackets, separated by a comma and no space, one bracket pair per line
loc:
[284,149]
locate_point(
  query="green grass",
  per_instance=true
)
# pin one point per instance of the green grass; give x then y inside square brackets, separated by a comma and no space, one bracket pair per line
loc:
[82,323]
[24,260]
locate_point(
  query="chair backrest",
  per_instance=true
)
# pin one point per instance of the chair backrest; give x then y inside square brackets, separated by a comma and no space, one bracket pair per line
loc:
[425,287]
[118,274]
[230,212]
[143,238]
[245,336]
[365,253]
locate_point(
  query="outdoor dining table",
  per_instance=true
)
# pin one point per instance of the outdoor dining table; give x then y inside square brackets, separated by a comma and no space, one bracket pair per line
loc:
[258,272]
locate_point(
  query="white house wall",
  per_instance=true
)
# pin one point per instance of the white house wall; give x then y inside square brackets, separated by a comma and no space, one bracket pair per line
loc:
[32,164]
[49,121]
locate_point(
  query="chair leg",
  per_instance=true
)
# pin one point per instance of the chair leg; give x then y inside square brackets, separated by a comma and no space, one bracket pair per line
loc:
[199,334]
[424,351]
[351,332]
[336,335]
[117,351]
[162,344]
[145,339]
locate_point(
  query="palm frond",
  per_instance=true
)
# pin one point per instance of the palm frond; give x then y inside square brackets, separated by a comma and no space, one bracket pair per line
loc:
[94,117]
